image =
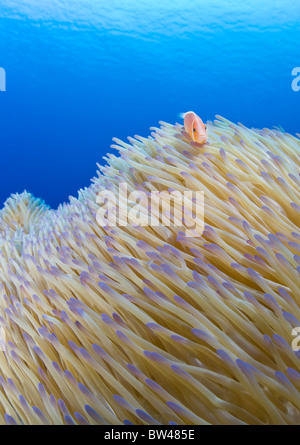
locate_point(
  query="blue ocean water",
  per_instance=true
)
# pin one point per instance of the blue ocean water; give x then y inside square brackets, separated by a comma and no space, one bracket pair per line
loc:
[79,72]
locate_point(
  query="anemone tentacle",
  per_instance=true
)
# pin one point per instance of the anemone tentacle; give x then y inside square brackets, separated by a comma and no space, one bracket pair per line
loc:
[141,324]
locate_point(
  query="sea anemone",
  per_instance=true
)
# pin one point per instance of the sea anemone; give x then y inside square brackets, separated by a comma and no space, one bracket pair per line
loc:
[132,324]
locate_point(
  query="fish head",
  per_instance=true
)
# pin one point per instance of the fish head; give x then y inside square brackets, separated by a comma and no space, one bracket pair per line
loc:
[199,133]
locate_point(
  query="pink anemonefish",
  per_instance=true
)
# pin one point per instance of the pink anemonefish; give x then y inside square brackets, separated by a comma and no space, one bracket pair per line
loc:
[194,126]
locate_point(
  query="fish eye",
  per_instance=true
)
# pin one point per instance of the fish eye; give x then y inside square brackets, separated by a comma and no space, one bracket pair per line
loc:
[194,130]
[205,127]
